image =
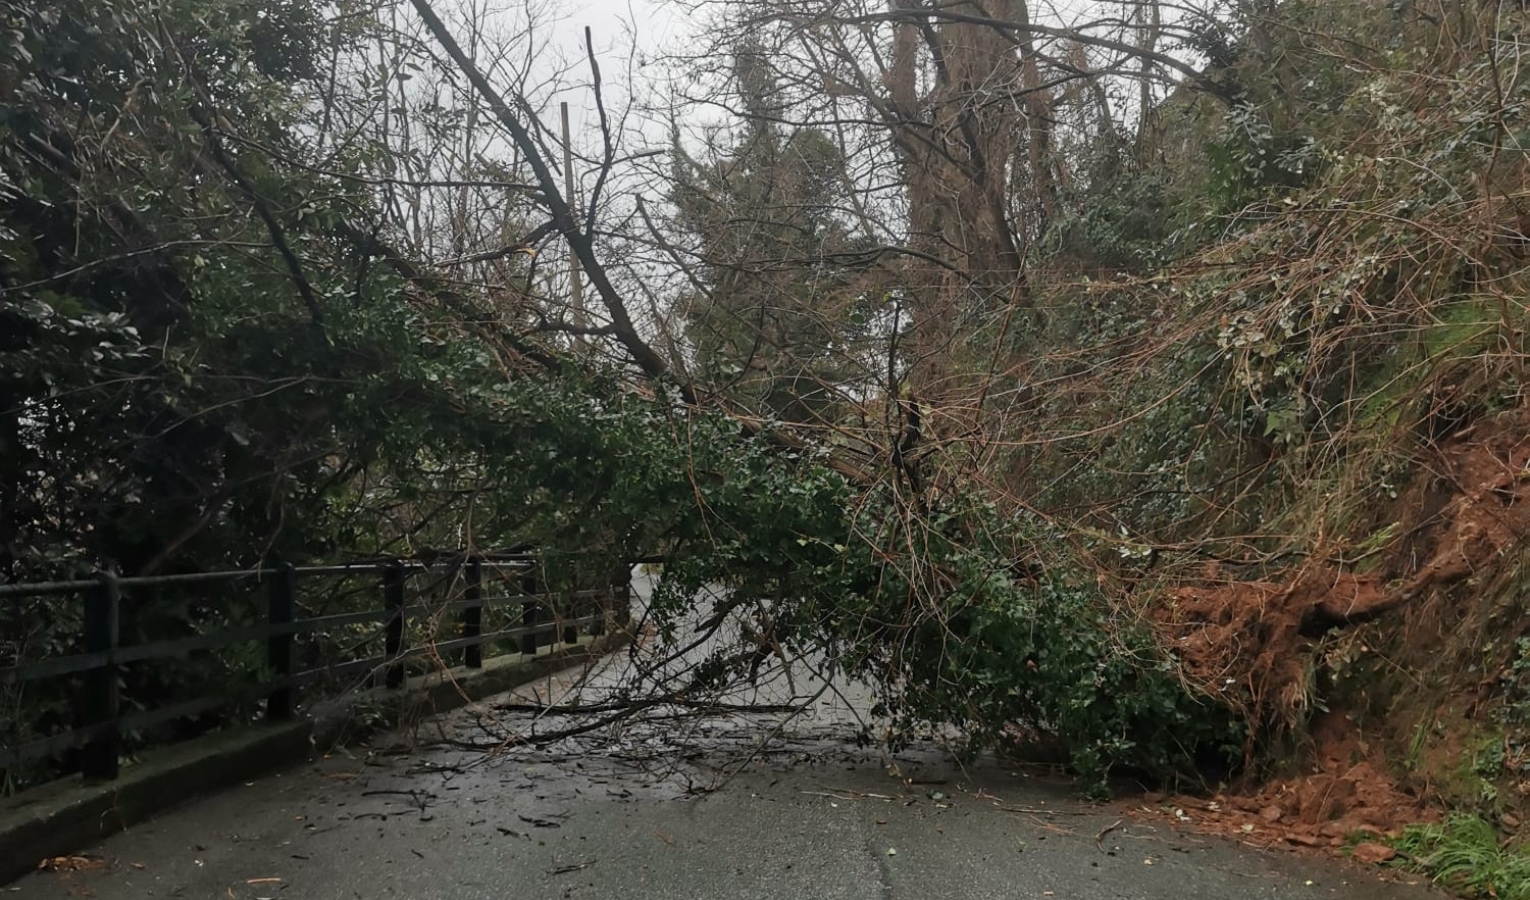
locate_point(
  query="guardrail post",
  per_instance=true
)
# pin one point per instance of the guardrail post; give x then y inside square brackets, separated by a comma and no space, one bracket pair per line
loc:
[472,614]
[280,615]
[393,597]
[621,601]
[99,757]
[573,611]
[531,612]
[607,620]
[602,604]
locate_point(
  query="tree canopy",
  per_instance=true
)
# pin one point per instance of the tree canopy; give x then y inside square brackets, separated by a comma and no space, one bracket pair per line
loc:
[968,348]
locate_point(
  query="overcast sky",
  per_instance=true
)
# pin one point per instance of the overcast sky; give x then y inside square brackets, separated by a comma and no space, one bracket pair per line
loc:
[619,28]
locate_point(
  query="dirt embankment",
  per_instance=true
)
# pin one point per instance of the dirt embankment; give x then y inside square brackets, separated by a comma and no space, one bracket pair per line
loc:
[1455,533]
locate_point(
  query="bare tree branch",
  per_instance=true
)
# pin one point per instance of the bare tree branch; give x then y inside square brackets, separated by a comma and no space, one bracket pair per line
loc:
[647,359]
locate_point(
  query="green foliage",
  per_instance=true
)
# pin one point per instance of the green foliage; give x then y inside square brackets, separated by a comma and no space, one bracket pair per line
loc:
[1515,684]
[1336,324]
[1055,659]
[1124,217]
[1151,474]
[945,630]
[179,392]
[1466,855]
[1504,757]
[1249,159]
[133,358]
[211,356]
[778,306]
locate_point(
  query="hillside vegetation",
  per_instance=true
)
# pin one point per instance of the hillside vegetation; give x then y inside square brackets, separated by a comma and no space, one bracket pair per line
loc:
[1151,388]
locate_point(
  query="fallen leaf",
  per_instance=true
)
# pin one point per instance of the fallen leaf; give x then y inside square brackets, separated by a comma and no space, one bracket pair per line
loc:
[70,863]
[1373,853]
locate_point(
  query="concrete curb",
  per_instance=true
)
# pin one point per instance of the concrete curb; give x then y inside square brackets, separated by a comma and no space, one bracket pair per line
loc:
[64,816]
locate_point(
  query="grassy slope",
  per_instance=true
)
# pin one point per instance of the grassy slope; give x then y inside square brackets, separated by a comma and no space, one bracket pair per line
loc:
[1323,388]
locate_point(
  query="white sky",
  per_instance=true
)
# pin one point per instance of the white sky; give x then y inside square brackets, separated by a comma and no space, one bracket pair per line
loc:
[620,30]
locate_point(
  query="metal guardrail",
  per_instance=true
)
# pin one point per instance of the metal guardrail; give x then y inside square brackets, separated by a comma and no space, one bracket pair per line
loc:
[101,724]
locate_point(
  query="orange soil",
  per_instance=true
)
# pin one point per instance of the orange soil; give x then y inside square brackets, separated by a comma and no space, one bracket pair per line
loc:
[1349,792]
[1252,641]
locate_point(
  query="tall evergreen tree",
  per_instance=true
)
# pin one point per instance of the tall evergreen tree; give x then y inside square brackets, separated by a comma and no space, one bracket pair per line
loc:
[779,304]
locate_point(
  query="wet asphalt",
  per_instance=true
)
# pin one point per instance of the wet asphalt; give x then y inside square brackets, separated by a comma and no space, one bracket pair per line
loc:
[820,822]
[673,809]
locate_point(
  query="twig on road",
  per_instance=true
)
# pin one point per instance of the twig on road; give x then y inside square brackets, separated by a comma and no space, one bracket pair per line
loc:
[699,706]
[1099,838]
[845,794]
[1039,811]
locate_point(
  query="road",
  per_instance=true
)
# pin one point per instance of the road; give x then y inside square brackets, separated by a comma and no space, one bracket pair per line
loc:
[684,808]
